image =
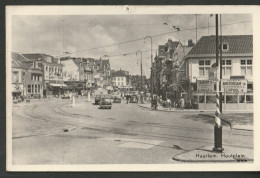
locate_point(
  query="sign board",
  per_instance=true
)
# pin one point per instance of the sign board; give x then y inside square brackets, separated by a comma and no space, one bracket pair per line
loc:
[234,86]
[205,86]
[237,77]
[213,73]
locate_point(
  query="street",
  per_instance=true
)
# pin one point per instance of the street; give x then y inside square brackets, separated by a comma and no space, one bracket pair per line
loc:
[51,131]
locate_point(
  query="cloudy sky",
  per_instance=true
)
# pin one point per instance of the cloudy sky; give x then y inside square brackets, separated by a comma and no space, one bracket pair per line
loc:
[80,35]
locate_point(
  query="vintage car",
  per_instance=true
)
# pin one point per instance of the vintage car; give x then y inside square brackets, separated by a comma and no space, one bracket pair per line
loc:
[116,99]
[134,99]
[105,103]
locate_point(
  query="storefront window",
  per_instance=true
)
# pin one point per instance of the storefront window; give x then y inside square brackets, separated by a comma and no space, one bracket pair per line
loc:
[249,98]
[241,98]
[211,99]
[201,99]
[39,88]
[231,98]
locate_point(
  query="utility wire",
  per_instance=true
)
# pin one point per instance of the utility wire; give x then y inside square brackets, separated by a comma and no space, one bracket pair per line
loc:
[161,34]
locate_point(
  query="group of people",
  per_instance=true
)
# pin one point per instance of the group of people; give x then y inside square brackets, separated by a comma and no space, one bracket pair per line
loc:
[169,104]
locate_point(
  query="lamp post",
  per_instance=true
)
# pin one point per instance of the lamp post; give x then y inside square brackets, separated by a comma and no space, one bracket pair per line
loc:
[141,69]
[151,68]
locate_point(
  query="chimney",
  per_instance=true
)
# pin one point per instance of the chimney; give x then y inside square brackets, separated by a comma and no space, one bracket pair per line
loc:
[190,43]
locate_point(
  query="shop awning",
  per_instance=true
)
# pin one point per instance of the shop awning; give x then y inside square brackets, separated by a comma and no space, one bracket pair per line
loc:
[58,85]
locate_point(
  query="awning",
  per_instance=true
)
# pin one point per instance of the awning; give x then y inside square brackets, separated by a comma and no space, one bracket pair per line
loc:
[58,85]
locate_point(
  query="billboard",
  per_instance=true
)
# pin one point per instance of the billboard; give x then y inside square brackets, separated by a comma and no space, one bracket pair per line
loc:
[234,86]
[205,86]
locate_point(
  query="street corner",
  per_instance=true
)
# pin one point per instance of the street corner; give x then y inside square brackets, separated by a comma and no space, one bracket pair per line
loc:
[206,154]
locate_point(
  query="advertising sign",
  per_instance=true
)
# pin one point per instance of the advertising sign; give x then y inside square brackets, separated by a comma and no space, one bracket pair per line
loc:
[234,86]
[205,86]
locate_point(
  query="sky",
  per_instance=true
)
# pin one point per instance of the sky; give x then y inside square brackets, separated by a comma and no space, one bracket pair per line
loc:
[79,34]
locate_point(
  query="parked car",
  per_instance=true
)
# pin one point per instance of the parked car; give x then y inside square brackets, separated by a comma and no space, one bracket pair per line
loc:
[117,99]
[134,99]
[105,103]
[65,96]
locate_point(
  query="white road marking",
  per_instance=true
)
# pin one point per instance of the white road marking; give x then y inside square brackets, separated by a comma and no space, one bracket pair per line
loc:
[135,143]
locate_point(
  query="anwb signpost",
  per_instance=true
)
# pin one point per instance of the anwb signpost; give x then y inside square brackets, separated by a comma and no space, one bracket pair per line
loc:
[205,86]
[234,86]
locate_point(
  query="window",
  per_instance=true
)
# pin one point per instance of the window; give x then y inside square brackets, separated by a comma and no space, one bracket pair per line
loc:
[225,46]
[246,67]
[122,83]
[211,99]
[46,68]
[39,87]
[32,88]
[204,66]
[201,99]
[15,77]
[226,67]
[241,98]
[35,88]
[249,98]
[231,98]
[29,89]
[249,87]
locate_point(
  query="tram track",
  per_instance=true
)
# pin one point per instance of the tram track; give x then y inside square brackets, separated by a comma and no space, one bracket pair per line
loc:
[58,109]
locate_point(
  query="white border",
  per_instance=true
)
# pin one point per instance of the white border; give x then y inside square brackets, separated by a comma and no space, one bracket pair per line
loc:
[120,10]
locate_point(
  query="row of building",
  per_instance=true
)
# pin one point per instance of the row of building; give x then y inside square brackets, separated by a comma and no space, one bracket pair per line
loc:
[177,68]
[41,75]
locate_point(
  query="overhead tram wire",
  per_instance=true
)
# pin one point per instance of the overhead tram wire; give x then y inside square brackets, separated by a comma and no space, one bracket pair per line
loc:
[139,39]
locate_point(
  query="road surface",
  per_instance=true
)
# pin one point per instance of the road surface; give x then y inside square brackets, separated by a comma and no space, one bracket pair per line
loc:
[51,131]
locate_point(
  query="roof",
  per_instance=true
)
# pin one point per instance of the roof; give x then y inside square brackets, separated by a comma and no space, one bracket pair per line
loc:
[19,61]
[39,56]
[104,63]
[119,73]
[238,44]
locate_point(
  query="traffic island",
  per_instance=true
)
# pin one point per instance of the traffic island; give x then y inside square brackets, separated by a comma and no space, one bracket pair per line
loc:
[206,154]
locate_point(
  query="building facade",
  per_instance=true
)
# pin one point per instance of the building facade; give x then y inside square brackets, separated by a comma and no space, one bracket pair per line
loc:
[51,68]
[237,52]
[27,77]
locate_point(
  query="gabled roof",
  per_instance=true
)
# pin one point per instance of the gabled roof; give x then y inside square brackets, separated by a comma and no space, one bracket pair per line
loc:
[104,63]
[238,44]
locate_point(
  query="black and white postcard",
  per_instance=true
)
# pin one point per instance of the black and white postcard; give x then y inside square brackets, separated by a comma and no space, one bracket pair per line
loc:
[132,88]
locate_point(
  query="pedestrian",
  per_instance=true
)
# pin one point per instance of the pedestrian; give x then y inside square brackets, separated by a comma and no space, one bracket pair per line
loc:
[127,98]
[169,103]
[182,102]
[155,102]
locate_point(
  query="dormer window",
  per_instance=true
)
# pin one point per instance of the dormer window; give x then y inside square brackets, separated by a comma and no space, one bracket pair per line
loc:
[225,46]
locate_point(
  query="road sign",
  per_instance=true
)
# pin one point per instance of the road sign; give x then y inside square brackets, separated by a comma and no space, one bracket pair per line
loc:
[234,86]
[237,77]
[205,85]
[213,73]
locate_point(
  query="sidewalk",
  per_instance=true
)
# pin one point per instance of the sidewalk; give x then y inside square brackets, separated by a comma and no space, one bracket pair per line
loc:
[160,108]
[205,154]
[238,120]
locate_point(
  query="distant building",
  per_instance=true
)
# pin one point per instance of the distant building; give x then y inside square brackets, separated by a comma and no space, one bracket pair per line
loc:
[101,71]
[120,80]
[27,77]
[169,57]
[51,69]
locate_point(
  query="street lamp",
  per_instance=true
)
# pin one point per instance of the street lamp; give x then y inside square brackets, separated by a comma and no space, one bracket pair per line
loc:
[141,69]
[151,67]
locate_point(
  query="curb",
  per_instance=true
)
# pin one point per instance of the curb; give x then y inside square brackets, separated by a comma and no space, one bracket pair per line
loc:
[229,123]
[175,110]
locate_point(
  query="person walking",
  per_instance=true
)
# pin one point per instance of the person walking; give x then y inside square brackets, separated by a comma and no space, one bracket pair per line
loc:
[169,104]
[182,103]
[155,102]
